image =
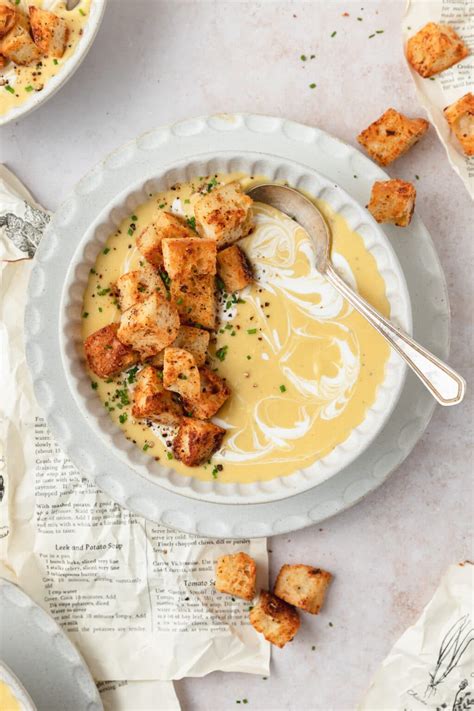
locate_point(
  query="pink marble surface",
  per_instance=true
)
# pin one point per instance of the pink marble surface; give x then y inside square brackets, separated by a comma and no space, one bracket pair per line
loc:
[155,62]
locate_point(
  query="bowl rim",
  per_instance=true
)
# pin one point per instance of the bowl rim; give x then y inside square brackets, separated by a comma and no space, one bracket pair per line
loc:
[36,99]
[112,436]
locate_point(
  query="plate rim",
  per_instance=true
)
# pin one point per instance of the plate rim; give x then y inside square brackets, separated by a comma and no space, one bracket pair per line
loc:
[270,518]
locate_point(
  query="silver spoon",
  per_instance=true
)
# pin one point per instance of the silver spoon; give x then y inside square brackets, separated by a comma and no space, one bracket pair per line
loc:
[444,383]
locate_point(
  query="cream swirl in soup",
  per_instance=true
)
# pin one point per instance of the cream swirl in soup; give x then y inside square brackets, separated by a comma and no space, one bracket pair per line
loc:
[302,365]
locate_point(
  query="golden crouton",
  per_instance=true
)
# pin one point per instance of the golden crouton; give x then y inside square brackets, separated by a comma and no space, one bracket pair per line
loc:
[196,441]
[135,286]
[435,48]
[234,268]
[195,299]
[302,586]
[17,44]
[106,355]
[275,619]
[50,32]
[149,326]
[391,136]
[214,392]
[180,373]
[7,19]
[224,214]
[189,257]
[194,340]
[460,117]
[236,575]
[165,226]
[152,402]
[392,201]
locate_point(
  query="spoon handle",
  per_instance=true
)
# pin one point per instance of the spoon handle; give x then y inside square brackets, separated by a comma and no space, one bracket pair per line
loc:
[444,383]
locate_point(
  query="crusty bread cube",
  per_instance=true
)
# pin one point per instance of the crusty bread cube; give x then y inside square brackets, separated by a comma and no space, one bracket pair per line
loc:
[136,285]
[152,402]
[434,48]
[189,257]
[233,268]
[165,226]
[50,32]
[196,441]
[149,326]
[195,299]
[275,619]
[224,214]
[392,201]
[17,45]
[214,392]
[236,574]
[391,136]
[302,586]
[106,355]
[180,373]
[7,19]
[194,340]
[460,117]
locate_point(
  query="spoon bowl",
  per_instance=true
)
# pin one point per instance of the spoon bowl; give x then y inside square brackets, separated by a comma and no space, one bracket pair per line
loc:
[447,386]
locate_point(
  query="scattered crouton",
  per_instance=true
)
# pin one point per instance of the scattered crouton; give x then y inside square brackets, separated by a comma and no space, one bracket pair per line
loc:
[17,45]
[391,136]
[195,299]
[152,402]
[275,619]
[392,201]
[106,355]
[196,441]
[460,117]
[165,226]
[149,326]
[236,575]
[233,268]
[136,285]
[194,256]
[302,586]
[224,214]
[7,19]
[434,48]
[50,32]
[214,392]
[180,373]
[194,340]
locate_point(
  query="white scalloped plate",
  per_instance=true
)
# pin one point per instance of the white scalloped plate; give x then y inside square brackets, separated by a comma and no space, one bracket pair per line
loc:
[40,654]
[66,70]
[142,160]
[70,326]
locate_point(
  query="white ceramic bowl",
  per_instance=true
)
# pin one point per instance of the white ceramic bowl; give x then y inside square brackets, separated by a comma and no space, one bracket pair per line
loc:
[65,71]
[16,687]
[92,410]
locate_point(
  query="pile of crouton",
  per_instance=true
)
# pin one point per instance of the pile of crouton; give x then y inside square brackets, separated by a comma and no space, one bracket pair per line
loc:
[24,39]
[169,311]
[433,49]
[274,614]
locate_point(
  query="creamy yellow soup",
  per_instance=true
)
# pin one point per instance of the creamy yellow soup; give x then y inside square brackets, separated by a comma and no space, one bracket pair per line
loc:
[8,702]
[302,365]
[17,83]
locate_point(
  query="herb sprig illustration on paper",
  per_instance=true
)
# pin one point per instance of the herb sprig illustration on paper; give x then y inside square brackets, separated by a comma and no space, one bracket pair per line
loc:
[453,645]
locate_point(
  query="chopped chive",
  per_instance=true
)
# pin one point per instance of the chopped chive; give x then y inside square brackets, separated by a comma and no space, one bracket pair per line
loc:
[417,177]
[100,309]
[180,300]
[249,357]
[103,292]
[334,33]
[220,284]
[187,201]
[370,36]
[215,472]
[134,218]
[106,250]
[162,205]
[379,32]
[123,418]
[303,57]
[130,232]
[28,88]
[251,331]
[222,352]
[146,446]
[169,455]
[191,222]
[85,314]
[359,19]
[94,385]
[82,12]
[312,86]
[55,61]
[10,89]
[283,388]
